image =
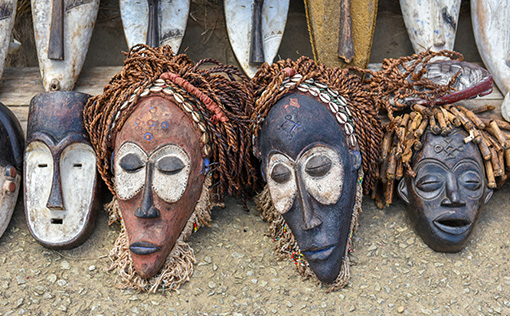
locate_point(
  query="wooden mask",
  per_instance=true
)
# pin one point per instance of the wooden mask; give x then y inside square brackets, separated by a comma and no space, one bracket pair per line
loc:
[450,188]
[11,158]
[158,172]
[60,171]
[311,169]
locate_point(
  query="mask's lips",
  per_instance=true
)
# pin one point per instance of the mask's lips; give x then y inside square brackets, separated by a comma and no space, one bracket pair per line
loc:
[452,224]
[143,248]
[318,253]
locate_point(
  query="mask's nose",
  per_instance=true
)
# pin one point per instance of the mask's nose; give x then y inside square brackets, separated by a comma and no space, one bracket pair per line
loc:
[147,209]
[452,198]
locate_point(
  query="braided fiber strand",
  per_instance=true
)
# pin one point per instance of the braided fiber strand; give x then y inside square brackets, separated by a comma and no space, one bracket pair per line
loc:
[368,129]
[404,78]
[229,99]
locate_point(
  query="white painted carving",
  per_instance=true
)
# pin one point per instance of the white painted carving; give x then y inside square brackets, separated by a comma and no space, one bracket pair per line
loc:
[169,186]
[282,194]
[7,14]
[491,25]
[79,22]
[173,17]
[7,200]
[128,184]
[238,15]
[328,188]
[77,176]
[431,23]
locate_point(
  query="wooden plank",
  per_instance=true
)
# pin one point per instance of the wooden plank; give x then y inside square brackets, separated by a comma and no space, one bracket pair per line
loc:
[19,84]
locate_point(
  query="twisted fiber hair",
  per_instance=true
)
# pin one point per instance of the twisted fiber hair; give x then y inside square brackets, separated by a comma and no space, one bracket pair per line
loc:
[403,78]
[404,134]
[367,124]
[105,114]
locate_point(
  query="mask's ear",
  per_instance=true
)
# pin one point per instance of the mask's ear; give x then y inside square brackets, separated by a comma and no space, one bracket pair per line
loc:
[402,190]
[356,159]
[488,194]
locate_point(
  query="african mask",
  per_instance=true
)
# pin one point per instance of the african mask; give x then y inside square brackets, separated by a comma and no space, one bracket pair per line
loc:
[60,171]
[172,139]
[158,179]
[311,165]
[449,189]
[11,158]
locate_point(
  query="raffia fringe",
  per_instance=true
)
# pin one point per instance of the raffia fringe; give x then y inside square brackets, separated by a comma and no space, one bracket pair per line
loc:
[178,267]
[286,244]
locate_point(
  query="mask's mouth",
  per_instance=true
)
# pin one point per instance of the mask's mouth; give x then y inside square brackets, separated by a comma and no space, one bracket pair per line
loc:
[143,248]
[318,253]
[451,224]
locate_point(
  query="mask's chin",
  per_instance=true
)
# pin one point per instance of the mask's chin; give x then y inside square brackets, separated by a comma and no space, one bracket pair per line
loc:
[326,262]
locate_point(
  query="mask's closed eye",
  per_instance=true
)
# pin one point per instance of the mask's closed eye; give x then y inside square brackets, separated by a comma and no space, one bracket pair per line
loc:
[429,183]
[131,163]
[170,165]
[318,166]
[280,173]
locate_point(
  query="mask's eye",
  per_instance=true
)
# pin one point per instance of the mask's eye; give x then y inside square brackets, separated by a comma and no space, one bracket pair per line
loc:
[280,173]
[131,163]
[470,180]
[429,183]
[318,166]
[170,165]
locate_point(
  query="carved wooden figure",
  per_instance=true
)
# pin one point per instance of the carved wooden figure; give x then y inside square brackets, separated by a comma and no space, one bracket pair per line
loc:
[255,30]
[7,14]
[448,192]
[154,22]
[60,178]
[11,160]
[431,24]
[62,30]
[491,26]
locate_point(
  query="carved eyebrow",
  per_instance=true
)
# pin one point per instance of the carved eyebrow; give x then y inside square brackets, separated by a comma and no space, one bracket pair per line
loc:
[170,165]
[131,162]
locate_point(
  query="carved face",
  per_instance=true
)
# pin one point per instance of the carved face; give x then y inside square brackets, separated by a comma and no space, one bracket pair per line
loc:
[447,194]
[312,178]
[60,171]
[157,154]
[11,154]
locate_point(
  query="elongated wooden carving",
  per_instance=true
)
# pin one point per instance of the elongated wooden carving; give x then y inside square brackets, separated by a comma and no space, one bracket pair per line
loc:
[491,25]
[154,22]
[62,30]
[7,12]
[240,14]
[431,24]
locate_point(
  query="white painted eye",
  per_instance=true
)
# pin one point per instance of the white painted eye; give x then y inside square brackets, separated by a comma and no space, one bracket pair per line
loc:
[38,179]
[78,176]
[171,169]
[323,174]
[281,180]
[130,162]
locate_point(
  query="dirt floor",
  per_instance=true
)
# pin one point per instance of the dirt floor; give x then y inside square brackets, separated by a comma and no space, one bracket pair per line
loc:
[237,273]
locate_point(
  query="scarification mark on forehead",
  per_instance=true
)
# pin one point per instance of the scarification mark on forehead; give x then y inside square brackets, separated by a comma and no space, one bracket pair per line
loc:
[449,148]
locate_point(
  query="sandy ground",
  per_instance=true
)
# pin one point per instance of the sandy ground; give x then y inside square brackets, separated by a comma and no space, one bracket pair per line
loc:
[237,273]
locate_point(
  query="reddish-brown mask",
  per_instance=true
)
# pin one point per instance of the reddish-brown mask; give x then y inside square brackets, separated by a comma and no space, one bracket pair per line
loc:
[158,179]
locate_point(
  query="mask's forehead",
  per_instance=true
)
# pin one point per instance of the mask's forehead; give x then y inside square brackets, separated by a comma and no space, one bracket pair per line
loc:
[158,121]
[448,149]
[295,122]
[57,114]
